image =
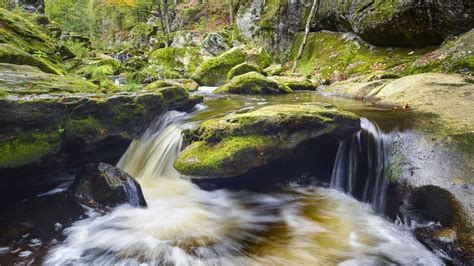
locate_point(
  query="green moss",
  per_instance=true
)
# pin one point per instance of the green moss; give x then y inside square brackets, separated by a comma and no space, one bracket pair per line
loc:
[27,148]
[232,145]
[332,55]
[82,128]
[242,69]
[12,55]
[200,159]
[253,83]
[295,83]
[164,56]
[214,71]
[21,33]
[274,70]
[24,80]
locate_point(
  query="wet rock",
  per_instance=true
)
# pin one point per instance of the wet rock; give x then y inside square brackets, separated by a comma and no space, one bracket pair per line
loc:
[234,144]
[253,83]
[296,83]
[100,185]
[47,119]
[242,69]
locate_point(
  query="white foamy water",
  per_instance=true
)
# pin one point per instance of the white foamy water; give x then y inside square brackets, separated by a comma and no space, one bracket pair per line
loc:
[184,225]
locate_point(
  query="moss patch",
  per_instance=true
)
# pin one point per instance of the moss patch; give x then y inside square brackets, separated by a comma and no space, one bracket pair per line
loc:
[27,148]
[337,56]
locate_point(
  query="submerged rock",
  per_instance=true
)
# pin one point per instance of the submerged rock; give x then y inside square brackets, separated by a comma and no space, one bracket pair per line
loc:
[236,143]
[100,185]
[253,83]
[296,83]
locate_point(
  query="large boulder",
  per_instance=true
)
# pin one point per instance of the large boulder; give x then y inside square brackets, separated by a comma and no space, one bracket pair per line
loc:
[236,143]
[100,185]
[397,23]
[253,83]
[389,23]
[185,59]
[213,71]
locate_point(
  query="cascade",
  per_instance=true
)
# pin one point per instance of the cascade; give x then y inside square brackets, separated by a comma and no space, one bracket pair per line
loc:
[361,164]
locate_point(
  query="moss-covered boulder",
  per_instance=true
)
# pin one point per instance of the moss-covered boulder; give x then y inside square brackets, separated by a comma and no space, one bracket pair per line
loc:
[234,144]
[23,34]
[456,55]
[13,55]
[184,59]
[188,84]
[397,23]
[253,83]
[242,69]
[295,83]
[274,70]
[213,71]
[338,56]
[97,68]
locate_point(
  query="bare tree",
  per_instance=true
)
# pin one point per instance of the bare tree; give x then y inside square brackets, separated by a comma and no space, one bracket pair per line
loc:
[231,11]
[167,21]
[311,16]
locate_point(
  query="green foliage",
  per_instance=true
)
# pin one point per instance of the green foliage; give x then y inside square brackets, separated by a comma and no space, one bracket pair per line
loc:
[40,54]
[80,50]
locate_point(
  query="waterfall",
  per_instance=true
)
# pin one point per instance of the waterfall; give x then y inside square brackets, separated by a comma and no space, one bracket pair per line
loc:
[361,164]
[151,156]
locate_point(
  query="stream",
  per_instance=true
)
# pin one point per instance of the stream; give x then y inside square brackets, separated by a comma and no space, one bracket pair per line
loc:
[329,215]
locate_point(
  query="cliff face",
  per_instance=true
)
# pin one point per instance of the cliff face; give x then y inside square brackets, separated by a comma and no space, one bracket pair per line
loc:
[412,23]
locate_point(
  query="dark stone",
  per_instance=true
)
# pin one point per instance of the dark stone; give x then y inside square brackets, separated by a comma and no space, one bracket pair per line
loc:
[100,185]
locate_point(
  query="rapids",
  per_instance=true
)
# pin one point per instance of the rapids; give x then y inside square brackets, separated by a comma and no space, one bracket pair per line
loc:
[293,225]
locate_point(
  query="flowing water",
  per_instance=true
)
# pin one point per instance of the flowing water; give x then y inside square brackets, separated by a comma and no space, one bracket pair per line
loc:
[295,224]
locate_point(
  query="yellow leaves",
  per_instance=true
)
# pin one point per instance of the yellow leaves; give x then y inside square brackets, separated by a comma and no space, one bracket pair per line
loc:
[121,2]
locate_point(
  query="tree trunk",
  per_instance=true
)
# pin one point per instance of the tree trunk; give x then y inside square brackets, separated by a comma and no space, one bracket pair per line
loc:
[312,13]
[167,22]
[231,11]
[161,17]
